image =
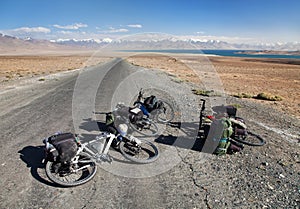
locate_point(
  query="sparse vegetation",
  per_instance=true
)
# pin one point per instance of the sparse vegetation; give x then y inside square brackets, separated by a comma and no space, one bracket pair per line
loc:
[177,80]
[171,74]
[242,95]
[260,96]
[42,79]
[237,75]
[268,97]
[15,67]
[202,92]
[9,76]
[207,93]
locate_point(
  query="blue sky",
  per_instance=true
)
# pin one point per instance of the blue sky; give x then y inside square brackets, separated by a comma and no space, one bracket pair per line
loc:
[229,20]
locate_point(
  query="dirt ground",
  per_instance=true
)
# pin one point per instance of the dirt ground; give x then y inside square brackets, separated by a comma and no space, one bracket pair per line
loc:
[239,75]
[18,67]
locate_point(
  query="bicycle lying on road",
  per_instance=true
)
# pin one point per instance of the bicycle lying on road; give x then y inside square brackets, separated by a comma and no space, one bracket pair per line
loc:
[241,132]
[83,166]
[134,118]
[160,110]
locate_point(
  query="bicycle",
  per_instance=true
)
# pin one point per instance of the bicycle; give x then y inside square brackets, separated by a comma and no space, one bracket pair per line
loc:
[134,118]
[241,132]
[83,167]
[162,111]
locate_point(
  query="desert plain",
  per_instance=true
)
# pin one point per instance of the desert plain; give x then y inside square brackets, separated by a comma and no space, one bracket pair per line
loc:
[279,78]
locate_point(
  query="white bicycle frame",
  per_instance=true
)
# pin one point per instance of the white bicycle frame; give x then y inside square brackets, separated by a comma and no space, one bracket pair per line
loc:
[101,154]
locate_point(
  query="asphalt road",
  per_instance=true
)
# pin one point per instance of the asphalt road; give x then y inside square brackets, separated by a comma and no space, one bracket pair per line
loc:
[182,178]
[38,110]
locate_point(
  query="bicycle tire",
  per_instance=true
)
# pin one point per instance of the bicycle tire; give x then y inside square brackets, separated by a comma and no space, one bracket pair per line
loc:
[151,131]
[163,117]
[68,179]
[147,149]
[251,139]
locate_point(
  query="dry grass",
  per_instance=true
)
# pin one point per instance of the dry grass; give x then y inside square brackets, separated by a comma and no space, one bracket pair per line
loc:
[247,77]
[173,66]
[281,81]
[15,67]
[239,76]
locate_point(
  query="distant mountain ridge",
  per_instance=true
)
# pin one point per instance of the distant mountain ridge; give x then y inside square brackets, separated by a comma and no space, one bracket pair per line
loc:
[9,43]
[176,44]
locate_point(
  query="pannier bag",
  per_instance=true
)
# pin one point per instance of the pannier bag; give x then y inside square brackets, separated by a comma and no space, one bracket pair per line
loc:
[159,105]
[224,142]
[150,103]
[109,119]
[65,147]
[135,114]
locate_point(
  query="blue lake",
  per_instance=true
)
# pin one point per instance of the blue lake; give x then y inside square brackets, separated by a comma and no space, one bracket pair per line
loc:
[231,53]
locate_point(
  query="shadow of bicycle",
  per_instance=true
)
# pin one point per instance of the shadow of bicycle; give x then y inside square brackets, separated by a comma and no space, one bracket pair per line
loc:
[33,157]
[197,143]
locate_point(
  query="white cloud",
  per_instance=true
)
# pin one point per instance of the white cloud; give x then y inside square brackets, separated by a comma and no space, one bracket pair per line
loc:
[121,30]
[114,30]
[23,32]
[74,26]
[65,32]
[135,26]
[71,34]
[31,30]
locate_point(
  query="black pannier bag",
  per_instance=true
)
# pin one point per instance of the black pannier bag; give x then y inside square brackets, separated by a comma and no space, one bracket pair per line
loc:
[150,103]
[65,147]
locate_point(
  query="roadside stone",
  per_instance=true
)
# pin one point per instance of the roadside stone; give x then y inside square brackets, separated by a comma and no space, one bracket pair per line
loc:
[270,186]
[281,176]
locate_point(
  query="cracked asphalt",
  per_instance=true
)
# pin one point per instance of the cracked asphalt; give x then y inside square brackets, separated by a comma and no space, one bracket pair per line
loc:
[183,177]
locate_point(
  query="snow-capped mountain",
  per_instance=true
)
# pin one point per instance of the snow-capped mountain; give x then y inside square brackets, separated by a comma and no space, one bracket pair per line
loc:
[10,44]
[139,42]
[174,43]
[82,41]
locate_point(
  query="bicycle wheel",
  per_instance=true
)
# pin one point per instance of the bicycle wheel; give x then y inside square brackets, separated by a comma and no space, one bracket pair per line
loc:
[165,114]
[150,129]
[144,153]
[251,139]
[73,174]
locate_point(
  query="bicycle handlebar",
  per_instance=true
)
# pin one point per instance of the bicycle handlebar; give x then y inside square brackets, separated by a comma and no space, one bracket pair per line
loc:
[102,113]
[141,92]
